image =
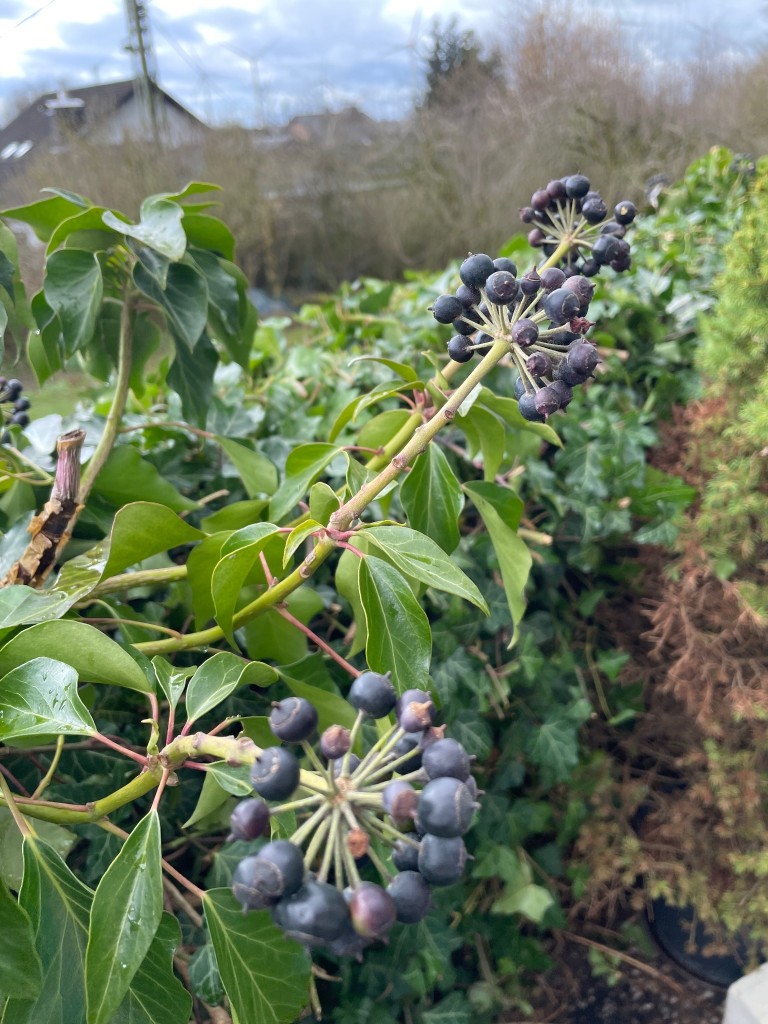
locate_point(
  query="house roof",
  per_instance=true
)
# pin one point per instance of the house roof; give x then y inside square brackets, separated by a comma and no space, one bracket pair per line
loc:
[88,106]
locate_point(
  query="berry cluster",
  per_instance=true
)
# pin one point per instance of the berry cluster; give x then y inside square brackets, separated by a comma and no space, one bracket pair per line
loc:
[541,314]
[10,391]
[363,816]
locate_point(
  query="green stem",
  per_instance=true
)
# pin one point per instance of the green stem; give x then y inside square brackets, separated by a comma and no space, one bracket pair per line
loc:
[115,415]
[136,788]
[142,578]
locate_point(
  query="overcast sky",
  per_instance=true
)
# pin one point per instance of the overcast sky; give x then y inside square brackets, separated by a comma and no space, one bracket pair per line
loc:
[261,61]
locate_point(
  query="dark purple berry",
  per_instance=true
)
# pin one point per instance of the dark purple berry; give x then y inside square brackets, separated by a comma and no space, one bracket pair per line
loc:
[612,227]
[500,287]
[536,238]
[372,693]
[590,267]
[625,212]
[442,859]
[405,856]
[317,913]
[460,349]
[551,278]
[475,270]
[467,296]
[21,419]
[13,389]
[245,888]
[546,401]
[446,757]
[249,819]
[410,743]
[21,404]
[468,323]
[540,199]
[539,364]
[583,358]
[293,719]
[519,387]
[583,289]
[527,406]
[372,910]
[576,186]
[399,799]
[446,308]
[606,248]
[530,282]
[503,263]
[445,807]
[334,742]
[275,773]
[565,393]
[525,332]
[278,869]
[527,214]
[415,710]
[410,895]
[556,189]
[561,305]
[338,764]
[594,210]
[566,373]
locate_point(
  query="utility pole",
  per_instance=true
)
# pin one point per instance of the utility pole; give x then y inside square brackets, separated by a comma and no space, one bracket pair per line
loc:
[144,65]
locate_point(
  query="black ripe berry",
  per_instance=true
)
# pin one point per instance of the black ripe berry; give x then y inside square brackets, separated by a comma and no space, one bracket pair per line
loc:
[460,348]
[442,859]
[564,392]
[447,308]
[249,819]
[530,282]
[415,710]
[405,856]
[410,896]
[576,186]
[476,269]
[625,212]
[275,773]
[293,719]
[278,869]
[317,913]
[583,358]
[536,238]
[539,364]
[338,764]
[503,263]
[527,406]
[519,387]
[551,278]
[561,305]
[21,419]
[594,210]
[583,289]
[446,807]
[245,886]
[399,799]
[525,332]
[372,693]
[501,287]
[13,389]
[372,910]
[546,402]
[334,742]
[606,248]
[446,757]
[556,189]
[468,296]
[410,743]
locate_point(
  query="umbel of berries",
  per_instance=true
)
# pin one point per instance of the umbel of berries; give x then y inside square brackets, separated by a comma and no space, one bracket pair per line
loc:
[541,313]
[17,412]
[381,809]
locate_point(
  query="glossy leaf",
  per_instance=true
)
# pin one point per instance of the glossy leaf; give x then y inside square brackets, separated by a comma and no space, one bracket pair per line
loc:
[204,975]
[94,656]
[125,915]
[235,516]
[255,962]
[401,369]
[500,510]
[508,410]
[432,498]
[219,676]
[127,477]
[258,474]
[89,219]
[20,604]
[418,556]
[399,638]
[347,581]
[303,466]
[379,430]
[269,635]
[45,215]
[156,995]
[191,377]
[184,300]
[331,708]
[20,968]
[239,555]
[170,679]
[74,288]
[297,536]
[486,436]
[159,227]
[40,698]
[202,560]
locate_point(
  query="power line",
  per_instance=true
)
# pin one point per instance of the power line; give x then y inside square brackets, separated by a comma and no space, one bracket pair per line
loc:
[28,17]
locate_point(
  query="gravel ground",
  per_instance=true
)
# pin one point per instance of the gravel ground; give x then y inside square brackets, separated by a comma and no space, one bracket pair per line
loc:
[572,994]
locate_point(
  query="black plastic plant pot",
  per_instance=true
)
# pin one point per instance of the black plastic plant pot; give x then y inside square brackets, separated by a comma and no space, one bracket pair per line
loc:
[686,943]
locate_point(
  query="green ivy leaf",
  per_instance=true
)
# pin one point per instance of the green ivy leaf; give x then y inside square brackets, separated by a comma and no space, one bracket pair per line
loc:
[184,300]
[401,369]
[347,581]
[297,536]
[219,676]
[418,556]
[73,288]
[20,967]
[485,435]
[399,638]
[125,915]
[204,975]
[500,510]
[159,227]
[554,744]
[432,498]
[40,698]
[156,995]
[94,656]
[170,679]
[258,474]
[323,502]
[191,377]
[303,466]
[45,215]
[255,960]
[126,477]
[239,555]
[454,1009]
[57,837]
